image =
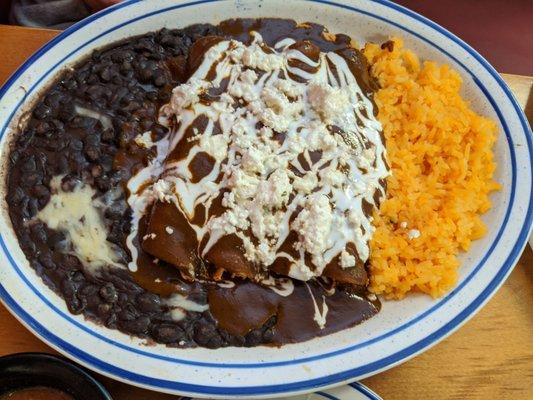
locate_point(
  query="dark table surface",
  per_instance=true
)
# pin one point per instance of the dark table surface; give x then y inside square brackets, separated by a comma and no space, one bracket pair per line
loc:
[501,30]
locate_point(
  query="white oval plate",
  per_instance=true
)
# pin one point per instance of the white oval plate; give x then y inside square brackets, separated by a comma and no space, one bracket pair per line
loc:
[402,329]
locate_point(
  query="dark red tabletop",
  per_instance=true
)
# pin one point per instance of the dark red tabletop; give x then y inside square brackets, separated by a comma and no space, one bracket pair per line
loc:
[501,30]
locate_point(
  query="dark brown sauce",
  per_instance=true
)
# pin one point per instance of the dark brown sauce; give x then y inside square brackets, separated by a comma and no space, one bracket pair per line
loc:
[249,305]
[274,29]
[201,165]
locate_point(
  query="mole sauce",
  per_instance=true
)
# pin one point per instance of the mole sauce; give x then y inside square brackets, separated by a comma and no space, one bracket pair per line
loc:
[124,85]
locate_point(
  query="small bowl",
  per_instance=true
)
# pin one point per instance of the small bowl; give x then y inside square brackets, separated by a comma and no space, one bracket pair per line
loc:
[26,370]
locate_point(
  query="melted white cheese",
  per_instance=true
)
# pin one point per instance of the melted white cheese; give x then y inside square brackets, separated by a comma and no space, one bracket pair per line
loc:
[144,140]
[282,286]
[179,305]
[78,215]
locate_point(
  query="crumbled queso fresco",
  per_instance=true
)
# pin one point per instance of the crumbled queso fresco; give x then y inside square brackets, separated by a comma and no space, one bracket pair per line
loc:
[413,234]
[268,173]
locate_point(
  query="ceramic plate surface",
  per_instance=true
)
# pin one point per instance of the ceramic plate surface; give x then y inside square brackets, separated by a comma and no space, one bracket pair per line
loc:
[353,391]
[402,329]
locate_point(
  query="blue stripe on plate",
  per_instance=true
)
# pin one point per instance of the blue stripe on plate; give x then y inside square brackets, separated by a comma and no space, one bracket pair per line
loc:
[328,396]
[364,390]
[346,375]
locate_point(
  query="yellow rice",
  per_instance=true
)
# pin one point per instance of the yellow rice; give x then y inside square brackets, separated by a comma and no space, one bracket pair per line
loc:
[440,153]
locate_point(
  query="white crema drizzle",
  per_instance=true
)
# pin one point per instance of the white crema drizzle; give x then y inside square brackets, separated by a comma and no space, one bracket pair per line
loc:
[139,198]
[258,170]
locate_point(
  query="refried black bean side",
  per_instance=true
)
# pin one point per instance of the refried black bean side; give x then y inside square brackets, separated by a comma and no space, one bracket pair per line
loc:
[128,82]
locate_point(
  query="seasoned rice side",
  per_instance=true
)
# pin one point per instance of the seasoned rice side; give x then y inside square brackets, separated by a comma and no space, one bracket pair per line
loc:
[440,153]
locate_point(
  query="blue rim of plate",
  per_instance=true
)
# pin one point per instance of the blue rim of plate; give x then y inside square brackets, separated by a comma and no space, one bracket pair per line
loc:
[364,390]
[367,369]
[359,387]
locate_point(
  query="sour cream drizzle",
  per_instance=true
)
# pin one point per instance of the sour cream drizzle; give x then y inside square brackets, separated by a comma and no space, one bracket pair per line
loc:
[262,175]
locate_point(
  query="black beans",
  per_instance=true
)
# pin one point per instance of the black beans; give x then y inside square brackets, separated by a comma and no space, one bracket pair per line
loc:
[119,94]
[38,233]
[121,56]
[146,74]
[92,153]
[92,79]
[108,293]
[164,97]
[29,165]
[46,260]
[70,84]
[111,322]
[41,191]
[53,99]
[106,74]
[75,305]
[126,98]
[198,296]
[96,170]
[69,182]
[32,179]
[207,335]
[103,310]
[76,275]
[231,340]
[132,106]
[67,113]
[96,91]
[136,326]
[149,302]
[68,287]
[160,78]
[102,183]
[88,290]
[17,196]
[159,131]
[128,313]
[268,336]
[42,111]
[108,135]
[152,96]
[56,240]
[57,124]
[32,207]
[61,165]
[76,144]
[169,40]
[167,333]
[253,338]
[116,210]
[42,127]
